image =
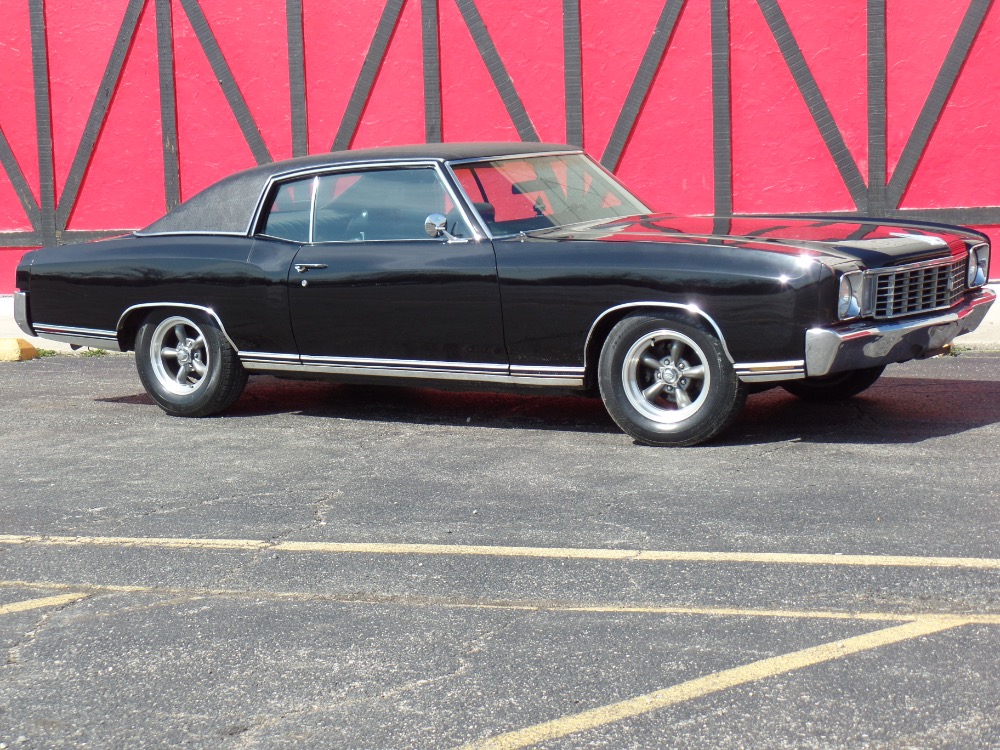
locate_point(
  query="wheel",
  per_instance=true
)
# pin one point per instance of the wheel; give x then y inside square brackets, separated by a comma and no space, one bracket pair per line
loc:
[667,381]
[186,365]
[834,387]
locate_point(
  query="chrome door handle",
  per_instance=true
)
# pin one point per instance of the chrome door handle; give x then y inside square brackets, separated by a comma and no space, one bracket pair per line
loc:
[303,267]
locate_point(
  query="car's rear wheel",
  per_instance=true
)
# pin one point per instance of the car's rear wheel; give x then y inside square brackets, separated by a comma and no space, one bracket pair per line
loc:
[835,387]
[186,364]
[667,381]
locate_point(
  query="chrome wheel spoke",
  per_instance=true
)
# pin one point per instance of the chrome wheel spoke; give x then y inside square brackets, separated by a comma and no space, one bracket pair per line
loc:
[683,400]
[695,373]
[182,374]
[180,333]
[199,367]
[168,352]
[651,392]
[198,343]
[651,362]
[676,347]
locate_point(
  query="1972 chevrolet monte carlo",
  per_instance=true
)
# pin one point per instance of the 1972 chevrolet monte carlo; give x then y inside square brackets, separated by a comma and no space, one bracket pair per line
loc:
[504,264]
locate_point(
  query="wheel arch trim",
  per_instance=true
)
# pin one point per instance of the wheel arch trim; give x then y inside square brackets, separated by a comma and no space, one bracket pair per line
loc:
[690,309]
[120,328]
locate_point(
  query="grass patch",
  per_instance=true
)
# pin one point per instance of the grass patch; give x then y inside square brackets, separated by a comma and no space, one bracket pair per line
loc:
[94,353]
[47,352]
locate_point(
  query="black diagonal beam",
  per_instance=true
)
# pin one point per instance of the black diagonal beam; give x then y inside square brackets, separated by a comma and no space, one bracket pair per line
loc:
[722,116]
[43,123]
[369,72]
[18,181]
[98,112]
[573,72]
[804,79]
[432,71]
[226,79]
[639,90]
[297,78]
[168,104]
[498,71]
[877,204]
[938,97]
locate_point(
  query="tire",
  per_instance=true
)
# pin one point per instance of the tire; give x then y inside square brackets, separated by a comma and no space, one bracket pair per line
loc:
[186,364]
[834,387]
[645,377]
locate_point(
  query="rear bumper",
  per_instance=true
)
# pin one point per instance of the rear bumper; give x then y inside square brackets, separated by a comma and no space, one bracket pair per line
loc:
[863,345]
[21,313]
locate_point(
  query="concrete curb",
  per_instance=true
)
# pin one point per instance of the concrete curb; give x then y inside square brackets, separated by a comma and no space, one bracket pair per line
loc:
[16,350]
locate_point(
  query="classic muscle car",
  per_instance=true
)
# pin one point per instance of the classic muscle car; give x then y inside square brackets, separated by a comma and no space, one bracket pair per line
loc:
[505,265]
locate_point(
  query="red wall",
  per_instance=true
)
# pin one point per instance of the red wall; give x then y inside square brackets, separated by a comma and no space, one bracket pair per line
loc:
[777,156]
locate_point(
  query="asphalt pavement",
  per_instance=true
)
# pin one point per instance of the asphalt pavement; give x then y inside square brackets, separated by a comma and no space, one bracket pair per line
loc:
[331,566]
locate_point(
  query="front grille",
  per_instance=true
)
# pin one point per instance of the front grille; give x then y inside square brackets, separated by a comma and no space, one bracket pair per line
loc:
[916,288]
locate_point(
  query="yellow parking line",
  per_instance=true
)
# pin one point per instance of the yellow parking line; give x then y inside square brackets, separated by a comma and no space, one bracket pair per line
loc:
[514,605]
[47,601]
[712,683]
[564,553]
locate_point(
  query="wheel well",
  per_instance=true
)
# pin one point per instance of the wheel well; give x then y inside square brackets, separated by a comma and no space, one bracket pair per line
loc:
[602,329]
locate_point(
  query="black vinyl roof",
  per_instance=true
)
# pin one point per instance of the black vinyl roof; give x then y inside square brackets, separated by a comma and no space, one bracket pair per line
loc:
[227,206]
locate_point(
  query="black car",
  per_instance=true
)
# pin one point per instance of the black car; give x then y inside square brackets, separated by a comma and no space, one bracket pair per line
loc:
[507,264]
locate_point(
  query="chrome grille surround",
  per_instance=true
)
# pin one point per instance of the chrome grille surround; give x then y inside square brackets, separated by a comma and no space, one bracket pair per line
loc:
[915,288]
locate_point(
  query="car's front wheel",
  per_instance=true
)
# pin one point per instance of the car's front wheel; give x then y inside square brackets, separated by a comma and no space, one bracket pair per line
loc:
[835,387]
[186,364]
[667,381]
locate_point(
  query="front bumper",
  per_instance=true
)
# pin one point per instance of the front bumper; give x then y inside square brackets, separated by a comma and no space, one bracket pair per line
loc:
[861,345]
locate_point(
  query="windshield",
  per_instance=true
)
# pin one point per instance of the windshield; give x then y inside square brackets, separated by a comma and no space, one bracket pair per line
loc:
[541,192]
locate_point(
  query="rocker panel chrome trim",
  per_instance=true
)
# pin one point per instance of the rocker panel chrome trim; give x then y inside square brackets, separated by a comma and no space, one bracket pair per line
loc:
[96,338]
[762,372]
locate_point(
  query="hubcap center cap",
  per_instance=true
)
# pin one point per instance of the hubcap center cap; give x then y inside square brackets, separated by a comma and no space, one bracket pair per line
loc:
[669,375]
[183,355]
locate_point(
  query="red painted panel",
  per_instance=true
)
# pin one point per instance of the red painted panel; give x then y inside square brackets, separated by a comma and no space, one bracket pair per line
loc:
[112,196]
[961,164]
[780,162]
[668,163]
[471,107]
[528,36]
[253,36]
[210,142]
[833,37]
[614,40]
[9,258]
[17,115]
[394,113]
[918,36]
[335,47]
[80,35]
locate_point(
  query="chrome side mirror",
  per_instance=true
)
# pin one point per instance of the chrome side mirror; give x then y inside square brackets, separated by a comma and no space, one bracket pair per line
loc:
[436,225]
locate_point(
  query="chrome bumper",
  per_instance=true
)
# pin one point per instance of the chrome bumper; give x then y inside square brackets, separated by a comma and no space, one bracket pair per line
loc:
[870,344]
[21,313]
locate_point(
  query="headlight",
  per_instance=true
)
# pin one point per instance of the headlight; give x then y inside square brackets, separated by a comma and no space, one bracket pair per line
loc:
[849,297]
[979,264]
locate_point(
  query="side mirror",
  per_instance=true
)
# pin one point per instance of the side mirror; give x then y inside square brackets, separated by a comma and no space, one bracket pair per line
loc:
[436,225]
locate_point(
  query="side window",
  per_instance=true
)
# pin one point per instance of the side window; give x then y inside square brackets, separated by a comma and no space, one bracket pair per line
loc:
[383,204]
[288,216]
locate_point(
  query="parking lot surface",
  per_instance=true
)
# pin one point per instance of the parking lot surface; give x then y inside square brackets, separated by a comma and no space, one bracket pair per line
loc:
[366,567]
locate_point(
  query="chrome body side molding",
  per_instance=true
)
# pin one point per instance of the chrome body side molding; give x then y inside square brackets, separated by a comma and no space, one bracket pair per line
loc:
[763,372]
[473,372]
[96,338]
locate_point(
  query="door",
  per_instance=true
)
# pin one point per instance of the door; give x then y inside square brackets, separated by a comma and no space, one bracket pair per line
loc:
[370,286]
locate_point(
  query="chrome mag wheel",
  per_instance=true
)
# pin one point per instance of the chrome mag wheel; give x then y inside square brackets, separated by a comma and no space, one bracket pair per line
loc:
[665,376]
[179,355]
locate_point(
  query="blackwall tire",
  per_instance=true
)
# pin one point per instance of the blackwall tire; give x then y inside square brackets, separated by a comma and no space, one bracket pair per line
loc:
[666,381]
[186,364]
[837,387]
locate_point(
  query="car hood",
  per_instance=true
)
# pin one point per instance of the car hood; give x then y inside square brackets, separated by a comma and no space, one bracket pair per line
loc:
[869,241]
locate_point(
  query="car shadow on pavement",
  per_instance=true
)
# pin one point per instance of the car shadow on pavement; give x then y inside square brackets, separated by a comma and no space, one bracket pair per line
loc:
[896,410]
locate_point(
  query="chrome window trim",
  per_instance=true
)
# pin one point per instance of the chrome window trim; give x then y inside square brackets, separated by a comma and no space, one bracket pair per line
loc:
[196,233]
[187,306]
[690,308]
[505,157]
[319,171]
